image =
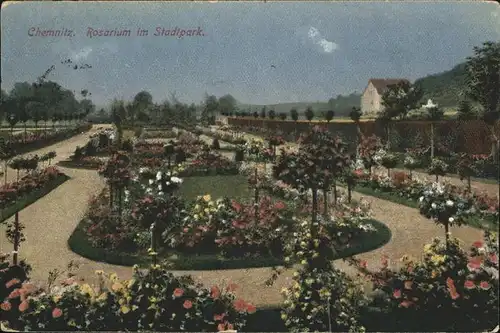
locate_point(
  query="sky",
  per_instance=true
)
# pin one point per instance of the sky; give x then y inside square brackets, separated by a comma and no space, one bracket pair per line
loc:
[261,53]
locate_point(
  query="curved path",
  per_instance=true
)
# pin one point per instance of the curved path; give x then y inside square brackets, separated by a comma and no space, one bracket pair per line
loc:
[51,220]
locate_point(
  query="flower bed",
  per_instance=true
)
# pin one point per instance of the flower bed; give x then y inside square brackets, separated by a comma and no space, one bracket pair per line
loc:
[17,195]
[40,140]
[163,134]
[209,163]
[156,300]
[200,248]
[401,189]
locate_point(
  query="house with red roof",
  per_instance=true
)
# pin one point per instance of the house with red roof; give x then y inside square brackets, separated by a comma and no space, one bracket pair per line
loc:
[371,100]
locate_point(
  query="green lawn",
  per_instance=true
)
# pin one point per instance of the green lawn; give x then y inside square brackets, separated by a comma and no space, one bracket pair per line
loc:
[235,187]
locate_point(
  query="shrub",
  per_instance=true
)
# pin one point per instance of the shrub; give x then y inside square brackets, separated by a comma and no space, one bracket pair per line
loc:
[449,290]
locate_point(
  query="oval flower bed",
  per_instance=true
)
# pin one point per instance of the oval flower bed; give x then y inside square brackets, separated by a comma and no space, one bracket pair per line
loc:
[208,234]
[17,195]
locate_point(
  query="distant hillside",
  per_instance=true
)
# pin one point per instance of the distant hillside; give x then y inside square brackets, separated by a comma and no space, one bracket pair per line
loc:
[444,88]
[342,105]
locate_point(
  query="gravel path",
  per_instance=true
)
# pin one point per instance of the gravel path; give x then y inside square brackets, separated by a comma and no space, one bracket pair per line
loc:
[64,149]
[51,220]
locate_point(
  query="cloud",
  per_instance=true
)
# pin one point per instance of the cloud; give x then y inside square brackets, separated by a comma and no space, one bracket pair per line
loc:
[325,45]
[82,54]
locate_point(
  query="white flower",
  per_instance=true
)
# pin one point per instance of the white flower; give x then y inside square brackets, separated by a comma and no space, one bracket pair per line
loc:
[176,180]
[159,187]
[158,175]
[451,219]
[433,205]
[143,170]
[151,182]
[449,203]
[421,199]
[167,183]
[160,193]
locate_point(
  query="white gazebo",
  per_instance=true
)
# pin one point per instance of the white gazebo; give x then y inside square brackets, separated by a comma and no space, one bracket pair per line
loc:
[429,104]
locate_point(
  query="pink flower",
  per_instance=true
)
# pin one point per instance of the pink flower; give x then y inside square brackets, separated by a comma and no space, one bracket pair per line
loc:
[178,292]
[23,306]
[474,263]
[12,282]
[56,313]
[478,244]
[405,304]
[469,284]
[397,293]
[187,304]
[484,285]
[493,258]
[6,306]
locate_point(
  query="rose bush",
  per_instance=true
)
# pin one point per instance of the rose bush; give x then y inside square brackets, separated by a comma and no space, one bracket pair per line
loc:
[230,228]
[152,300]
[12,192]
[449,289]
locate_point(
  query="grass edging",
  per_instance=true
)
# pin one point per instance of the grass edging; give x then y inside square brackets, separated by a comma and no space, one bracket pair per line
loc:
[473,221]
[79,243]
[31,197]
[74,165]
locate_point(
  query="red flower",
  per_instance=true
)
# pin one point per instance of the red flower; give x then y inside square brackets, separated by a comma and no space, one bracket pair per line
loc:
[469,284]
[178,292]
[187,304]
[56,313]
[474,263]
[221,327]
[478,244]
[14,294]
[219,317]
[12,282]
[229,326]
[5,306]
[240,305]
[23,306]
[215,292]
[451,288]
[363,264]
[493,258]
[484,285]
[279,205]
[236,206]
[397,293]
[251,308]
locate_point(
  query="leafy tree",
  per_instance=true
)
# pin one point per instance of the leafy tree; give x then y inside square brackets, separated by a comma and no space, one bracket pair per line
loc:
[309,113]
[227,103]
[294,114]
[256,115]
[398,100]
[282,115]
[272,114]
[465,111]
[483,80]
[329,115]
